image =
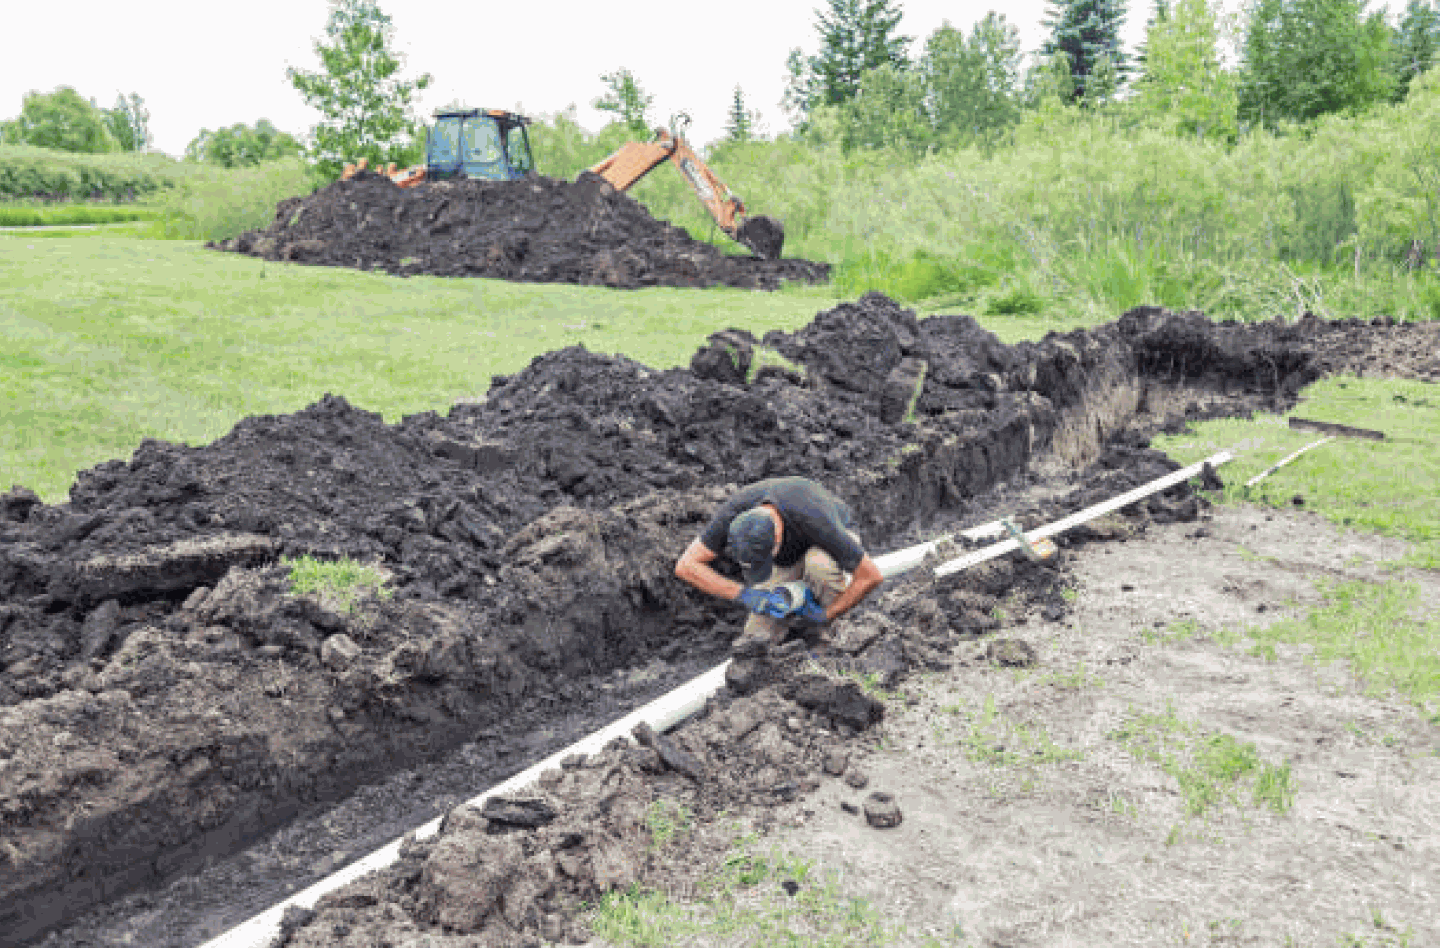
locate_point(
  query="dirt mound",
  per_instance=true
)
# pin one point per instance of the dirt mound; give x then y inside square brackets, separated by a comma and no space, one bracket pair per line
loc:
[536,230]
[166,696]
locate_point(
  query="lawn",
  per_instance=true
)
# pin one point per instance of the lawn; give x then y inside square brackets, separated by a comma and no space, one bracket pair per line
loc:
[109,341]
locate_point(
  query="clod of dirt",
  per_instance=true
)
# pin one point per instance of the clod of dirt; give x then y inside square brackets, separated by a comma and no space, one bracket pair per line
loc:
[857,779]
[835,762]
[881,811]
[840,701]
[538,230]
[1011,653]
[517,812]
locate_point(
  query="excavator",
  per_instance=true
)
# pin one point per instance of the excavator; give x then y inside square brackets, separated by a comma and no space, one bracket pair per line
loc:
[493,144]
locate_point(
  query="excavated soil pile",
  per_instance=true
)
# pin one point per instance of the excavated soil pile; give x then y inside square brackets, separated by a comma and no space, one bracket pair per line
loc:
[165,696]
[536,230]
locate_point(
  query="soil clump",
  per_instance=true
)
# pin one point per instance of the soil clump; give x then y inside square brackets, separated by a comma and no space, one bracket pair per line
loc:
[166,696]
[534,230]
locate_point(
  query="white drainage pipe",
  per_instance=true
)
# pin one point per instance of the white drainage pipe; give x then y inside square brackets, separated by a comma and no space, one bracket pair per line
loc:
[670,709]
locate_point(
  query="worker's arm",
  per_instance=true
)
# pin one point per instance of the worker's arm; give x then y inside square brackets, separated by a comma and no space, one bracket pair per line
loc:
[694,567]
[862,582]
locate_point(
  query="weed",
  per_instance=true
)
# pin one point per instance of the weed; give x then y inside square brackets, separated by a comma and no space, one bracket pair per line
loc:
[339,583]
[666,820]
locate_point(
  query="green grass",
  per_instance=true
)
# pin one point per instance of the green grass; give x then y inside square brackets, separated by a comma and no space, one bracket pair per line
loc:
[109,341]
[55,215]
[339,583]
[743,902]
[1211,768]
[986,736]
[1382,629]
[1390,487]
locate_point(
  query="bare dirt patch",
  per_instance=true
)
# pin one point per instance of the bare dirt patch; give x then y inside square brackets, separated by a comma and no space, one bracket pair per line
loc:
[1038,805]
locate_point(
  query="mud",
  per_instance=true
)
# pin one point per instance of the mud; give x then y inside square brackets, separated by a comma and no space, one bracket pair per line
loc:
[165,699]
[536,230]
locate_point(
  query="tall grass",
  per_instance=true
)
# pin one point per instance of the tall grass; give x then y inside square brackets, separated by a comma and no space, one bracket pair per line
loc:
[27,172]
[217,204]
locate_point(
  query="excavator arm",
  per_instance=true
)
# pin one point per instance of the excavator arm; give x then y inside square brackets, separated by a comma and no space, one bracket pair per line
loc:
[635,160]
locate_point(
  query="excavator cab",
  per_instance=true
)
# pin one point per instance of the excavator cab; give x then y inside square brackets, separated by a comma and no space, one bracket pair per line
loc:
[479,143]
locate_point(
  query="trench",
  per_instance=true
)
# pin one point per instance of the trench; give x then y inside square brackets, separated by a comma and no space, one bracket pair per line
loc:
[197,705]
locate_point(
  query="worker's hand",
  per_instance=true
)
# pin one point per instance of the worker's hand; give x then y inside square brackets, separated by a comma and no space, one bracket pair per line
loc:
[764,602]
[810,610]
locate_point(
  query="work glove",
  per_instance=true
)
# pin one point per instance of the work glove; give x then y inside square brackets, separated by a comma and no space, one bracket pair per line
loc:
[810,610]
[764,602]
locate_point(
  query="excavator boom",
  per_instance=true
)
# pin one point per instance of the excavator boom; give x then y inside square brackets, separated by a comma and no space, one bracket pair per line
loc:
[634,160]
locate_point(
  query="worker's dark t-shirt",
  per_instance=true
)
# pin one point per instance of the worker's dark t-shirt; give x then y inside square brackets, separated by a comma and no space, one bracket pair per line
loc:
[812,516]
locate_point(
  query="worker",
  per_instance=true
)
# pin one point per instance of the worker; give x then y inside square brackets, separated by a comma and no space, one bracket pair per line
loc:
[778,531]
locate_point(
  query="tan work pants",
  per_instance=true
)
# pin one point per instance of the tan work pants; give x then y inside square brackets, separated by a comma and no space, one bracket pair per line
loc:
[816,569]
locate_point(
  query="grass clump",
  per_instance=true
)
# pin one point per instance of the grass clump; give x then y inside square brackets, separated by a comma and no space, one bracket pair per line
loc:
[988,737]
[340,584]
[1210,768]
[1380,628]
[1390,487]
[667,820]
[752,898]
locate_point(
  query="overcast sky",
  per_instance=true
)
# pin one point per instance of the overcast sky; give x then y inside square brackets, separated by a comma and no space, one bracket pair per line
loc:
[202,64]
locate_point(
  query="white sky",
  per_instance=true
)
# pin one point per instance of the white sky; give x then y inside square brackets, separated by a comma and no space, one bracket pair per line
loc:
[203,64]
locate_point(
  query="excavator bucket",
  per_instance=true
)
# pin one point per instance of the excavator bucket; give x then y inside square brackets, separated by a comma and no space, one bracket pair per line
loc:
[763,235]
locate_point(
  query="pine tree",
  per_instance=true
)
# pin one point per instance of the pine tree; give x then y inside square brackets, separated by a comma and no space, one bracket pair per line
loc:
[740,125]
[856,36]
[1088,31]
[1415,44]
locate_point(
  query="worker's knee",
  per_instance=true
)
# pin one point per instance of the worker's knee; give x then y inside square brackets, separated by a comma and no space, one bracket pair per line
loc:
[824,576]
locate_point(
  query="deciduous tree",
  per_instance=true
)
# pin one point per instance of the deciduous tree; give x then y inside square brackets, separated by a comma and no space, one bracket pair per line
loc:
[973,82]
[242,146]
[129,123]
[888,111]
[1184,86]
[625,98]
[1307,58]
[63,120]
[367,110]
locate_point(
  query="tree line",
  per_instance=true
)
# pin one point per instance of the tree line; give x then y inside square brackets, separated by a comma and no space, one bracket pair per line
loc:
[1297,60]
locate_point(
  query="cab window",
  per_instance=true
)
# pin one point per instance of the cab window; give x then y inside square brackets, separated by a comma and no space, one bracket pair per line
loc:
[517,148]
[482,141]
[445,140]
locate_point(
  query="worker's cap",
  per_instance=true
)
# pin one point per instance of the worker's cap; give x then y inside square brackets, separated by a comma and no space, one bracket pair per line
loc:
[752,544]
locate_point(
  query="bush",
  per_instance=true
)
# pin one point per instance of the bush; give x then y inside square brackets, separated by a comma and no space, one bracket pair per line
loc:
[28,173]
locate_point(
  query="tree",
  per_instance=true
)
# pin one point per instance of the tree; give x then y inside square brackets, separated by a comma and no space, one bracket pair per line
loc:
[129,123]
[1307,58]
[1159,13]
[1184,85]
[1088,33]
[242,146]
[856,36]
[1415,44]
[627,100]
[973,83]
[367,110]
[740,125]
[62,120]
[887,112]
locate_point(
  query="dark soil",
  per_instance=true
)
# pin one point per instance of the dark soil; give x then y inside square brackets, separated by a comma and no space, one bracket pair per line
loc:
[535,230]
[166,699]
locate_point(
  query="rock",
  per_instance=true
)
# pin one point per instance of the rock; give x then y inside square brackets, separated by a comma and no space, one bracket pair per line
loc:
[881,811]
[857,779]
[99,629]
[835,762]
[339,651]
[1012,653]
[513,811]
